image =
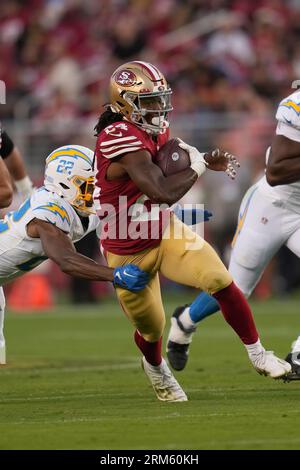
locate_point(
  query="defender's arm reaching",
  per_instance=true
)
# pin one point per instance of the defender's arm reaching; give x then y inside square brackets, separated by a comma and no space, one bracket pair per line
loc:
[58,247]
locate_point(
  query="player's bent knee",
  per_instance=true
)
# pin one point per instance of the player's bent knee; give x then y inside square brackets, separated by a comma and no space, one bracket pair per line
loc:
[217,281]
[146,315]
[152,338]
[151,329]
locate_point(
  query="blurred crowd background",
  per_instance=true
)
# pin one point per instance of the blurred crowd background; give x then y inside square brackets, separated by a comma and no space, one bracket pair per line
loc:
[229,63]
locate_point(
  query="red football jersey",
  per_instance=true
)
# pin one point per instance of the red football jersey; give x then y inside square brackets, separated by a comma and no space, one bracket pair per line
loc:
[129,222]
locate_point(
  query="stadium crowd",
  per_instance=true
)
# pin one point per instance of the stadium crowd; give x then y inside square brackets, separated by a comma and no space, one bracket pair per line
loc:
[61,51]
[229,63]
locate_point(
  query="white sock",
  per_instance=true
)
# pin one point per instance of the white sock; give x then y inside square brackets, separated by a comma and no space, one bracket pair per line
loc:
[296,345]
[254,349]
[177,335]
[186,320]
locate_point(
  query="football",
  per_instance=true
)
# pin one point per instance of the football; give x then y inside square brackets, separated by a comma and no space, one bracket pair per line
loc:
[171,158]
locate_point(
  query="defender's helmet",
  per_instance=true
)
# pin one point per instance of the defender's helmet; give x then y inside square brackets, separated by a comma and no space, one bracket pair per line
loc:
[69,173]
[138,89]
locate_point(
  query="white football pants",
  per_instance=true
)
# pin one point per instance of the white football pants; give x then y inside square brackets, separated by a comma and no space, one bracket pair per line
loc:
[264,226]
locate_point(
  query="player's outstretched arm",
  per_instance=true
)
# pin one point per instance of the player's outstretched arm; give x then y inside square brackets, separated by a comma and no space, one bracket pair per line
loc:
[151,181]
[283,165]
[58,247]
[6,191]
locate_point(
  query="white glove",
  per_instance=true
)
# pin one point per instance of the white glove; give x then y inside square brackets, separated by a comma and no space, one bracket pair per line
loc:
[198,163]
[24,187]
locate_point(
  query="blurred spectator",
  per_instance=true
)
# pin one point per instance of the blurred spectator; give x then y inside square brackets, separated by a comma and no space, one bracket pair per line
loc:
[229,63]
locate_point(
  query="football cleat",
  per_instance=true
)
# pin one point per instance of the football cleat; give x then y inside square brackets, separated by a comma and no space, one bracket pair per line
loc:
[163,382]
[294,360]
[266,363]
[2,353]
[179,340]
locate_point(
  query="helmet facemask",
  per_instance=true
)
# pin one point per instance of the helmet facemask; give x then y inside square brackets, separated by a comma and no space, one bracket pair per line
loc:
[150,110]
[83,201]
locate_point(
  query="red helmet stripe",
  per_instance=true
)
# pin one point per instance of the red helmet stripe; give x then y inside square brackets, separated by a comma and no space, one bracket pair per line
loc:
[153,71]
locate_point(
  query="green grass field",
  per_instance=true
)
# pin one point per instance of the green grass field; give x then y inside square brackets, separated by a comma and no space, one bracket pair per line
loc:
[74,382]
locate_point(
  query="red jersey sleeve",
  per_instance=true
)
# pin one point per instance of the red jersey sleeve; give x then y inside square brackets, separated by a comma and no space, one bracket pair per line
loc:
[120,138]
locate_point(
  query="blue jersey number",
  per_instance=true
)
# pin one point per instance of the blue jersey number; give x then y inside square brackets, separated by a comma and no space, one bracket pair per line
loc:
[3,226]
[16,216]
[65,166]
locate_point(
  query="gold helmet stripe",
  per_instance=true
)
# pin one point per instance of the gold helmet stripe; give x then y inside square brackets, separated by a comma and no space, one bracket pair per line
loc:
[68,153]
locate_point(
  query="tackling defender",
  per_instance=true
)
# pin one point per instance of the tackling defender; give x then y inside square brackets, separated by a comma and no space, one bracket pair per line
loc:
[46,225]
[128,184]
[268,219]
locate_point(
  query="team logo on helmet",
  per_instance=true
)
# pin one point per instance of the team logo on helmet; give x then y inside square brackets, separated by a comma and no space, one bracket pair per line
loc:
[125,78]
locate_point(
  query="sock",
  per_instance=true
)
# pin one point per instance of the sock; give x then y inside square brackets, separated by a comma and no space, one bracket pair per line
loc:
[237,313]
[151,351]
[254,349]
[296,345]
[186,321]
[203,306]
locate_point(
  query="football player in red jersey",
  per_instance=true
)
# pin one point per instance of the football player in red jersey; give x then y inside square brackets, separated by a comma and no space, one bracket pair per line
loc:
[128,185]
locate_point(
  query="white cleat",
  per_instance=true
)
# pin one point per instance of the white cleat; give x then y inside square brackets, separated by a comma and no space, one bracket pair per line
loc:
[266,363]
[164,383]
[2,353]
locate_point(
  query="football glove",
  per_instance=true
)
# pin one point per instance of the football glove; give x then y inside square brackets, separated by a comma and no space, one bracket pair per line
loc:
[198,163]
[130,277]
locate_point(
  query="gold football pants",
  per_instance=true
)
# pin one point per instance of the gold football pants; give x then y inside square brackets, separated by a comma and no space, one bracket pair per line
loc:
[173,257]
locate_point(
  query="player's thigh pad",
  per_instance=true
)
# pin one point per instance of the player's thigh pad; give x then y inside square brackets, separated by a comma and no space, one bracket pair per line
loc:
[144,309]
[258,237]
[188,259]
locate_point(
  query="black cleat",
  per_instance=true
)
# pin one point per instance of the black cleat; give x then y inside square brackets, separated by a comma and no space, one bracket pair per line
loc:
[294,360]
[178,352]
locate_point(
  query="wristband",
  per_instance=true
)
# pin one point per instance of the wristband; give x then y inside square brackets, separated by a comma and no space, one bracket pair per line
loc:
[24,185]
[199,165]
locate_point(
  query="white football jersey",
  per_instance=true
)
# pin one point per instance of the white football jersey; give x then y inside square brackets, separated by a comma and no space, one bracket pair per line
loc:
[20,253]
[288,117]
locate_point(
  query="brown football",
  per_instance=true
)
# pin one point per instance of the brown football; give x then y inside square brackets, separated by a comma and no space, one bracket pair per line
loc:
[171,158]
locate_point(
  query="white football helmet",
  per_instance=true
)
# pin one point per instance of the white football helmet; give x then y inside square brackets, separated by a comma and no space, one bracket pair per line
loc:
[69,173]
